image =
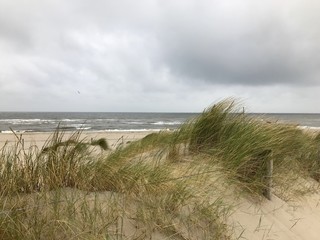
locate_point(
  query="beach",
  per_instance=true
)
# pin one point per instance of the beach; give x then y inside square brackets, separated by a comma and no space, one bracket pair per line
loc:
[39,138]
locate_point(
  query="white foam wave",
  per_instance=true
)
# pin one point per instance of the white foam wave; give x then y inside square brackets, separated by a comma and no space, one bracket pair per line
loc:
[18,131]
[71,120]
[35,120]
[136,123]
[27,121]
[130,130]
[309,128]
[167,123]
[83,128]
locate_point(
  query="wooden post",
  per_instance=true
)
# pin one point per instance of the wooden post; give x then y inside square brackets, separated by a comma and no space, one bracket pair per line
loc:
[269,178]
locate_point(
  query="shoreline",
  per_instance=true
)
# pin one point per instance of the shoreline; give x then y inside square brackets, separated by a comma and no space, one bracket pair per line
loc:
[89,130]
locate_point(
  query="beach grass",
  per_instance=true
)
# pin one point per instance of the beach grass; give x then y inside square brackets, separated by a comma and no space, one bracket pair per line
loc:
[167,185]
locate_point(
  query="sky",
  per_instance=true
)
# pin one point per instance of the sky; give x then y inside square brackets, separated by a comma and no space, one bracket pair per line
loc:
[159,55]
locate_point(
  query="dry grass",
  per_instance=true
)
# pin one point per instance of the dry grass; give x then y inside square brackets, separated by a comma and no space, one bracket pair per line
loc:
[67,191]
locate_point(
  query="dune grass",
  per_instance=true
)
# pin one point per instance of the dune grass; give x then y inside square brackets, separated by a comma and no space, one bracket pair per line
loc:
[243,144]
[168,185]
[67,191]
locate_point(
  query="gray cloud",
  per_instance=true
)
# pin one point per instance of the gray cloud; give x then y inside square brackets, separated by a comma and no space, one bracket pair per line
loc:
[255,46]
[139,55]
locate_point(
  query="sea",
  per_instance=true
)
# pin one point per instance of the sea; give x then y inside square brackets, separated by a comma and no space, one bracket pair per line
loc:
[108,121]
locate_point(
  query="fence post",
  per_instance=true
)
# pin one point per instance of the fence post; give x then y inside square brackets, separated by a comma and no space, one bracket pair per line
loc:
[269,178]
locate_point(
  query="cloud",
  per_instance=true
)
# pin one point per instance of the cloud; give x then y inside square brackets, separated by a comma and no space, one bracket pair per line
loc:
[251,43]
[137,55]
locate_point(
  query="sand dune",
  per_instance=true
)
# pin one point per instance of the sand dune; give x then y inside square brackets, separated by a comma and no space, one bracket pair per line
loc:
[276,219]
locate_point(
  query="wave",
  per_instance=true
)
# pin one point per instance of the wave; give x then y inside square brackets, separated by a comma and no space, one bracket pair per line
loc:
[136,123]
[309,128]
[70,120]
[167,123]
[27,121]
[80,127]
[129,130]
[15,131]
[36,120]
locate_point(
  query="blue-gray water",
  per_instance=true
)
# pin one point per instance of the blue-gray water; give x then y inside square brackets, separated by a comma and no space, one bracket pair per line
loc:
[44,121]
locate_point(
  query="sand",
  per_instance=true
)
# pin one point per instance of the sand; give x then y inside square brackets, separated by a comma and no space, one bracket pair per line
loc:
[39,138]
[278,219]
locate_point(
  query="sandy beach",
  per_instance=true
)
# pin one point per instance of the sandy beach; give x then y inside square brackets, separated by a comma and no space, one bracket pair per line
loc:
[39,138]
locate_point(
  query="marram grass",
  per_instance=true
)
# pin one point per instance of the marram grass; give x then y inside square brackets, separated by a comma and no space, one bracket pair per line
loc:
[67,191]
[168,185]
[243,144]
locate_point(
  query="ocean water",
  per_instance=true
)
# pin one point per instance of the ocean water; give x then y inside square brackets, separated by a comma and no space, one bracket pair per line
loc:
[309,120]
[48,121]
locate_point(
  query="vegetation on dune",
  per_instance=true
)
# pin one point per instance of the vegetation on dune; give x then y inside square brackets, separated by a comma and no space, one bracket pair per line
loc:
[243,144]
[67,190]
[167,185]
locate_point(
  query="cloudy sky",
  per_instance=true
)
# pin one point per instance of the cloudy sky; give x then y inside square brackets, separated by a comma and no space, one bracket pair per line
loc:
[159,55]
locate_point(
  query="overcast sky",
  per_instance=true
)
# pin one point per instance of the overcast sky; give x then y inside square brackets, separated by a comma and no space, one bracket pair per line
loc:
[162,56]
